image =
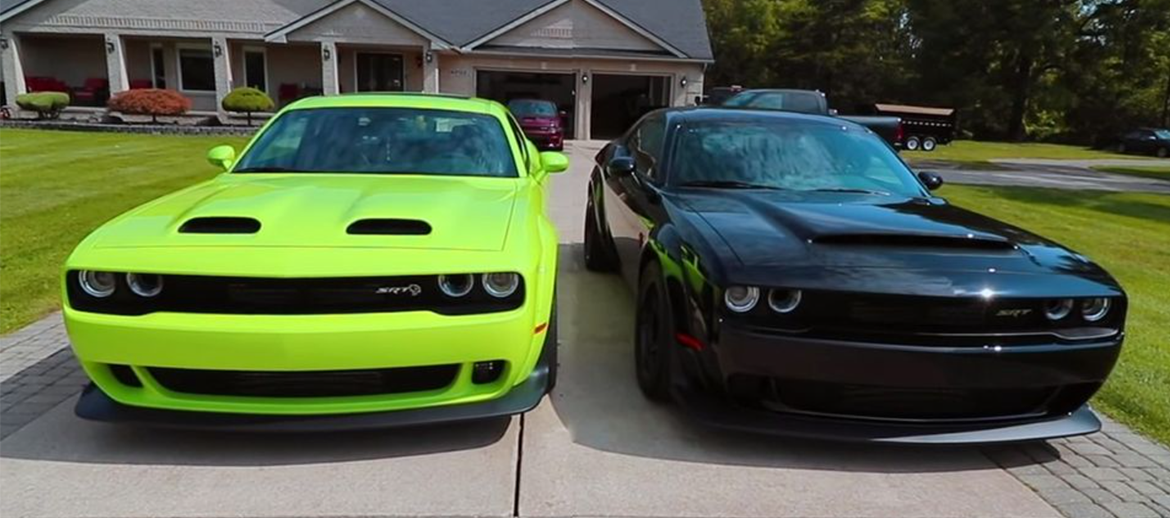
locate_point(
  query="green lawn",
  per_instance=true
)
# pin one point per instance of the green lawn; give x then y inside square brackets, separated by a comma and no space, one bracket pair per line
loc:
[976,154]
[1160,172]
[1128,234]
[57,186]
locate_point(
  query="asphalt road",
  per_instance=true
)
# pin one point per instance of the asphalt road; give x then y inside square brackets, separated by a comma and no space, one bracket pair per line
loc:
[595,448]
[1057,174]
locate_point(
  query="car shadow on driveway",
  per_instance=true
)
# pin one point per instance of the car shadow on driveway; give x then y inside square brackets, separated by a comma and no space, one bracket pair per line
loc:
[598,401]
[61,436]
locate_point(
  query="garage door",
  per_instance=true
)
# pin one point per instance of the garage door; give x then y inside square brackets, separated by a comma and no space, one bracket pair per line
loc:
[619,100]
[506,86]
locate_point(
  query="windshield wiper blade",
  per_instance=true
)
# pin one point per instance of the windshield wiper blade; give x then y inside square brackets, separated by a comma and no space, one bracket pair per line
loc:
[731,184]
[270,169]
[857,191]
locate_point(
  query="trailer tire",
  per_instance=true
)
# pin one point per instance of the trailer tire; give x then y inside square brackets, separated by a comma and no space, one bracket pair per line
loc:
[929,144]
[913,143]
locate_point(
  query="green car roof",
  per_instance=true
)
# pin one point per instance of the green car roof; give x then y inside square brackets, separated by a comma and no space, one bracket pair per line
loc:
[403,100]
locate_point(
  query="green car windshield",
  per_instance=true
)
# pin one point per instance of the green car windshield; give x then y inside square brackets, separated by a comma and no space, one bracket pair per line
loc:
[791,157]
[382,141]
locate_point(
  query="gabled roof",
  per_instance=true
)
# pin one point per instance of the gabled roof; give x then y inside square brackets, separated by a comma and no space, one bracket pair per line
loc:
[281,33]
[678,25]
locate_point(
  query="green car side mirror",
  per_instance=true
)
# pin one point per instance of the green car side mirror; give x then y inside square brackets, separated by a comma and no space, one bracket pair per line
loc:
[554,162]
[222,157]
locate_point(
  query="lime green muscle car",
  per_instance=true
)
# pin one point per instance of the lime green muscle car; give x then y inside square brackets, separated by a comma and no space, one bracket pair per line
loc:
[367,261]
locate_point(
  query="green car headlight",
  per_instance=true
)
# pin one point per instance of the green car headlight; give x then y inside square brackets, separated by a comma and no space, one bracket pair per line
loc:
[501,285]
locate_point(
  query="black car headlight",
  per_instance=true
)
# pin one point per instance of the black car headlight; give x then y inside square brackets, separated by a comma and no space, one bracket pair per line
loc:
[1095,309]
[741,299]
[1057,309]
[784,301]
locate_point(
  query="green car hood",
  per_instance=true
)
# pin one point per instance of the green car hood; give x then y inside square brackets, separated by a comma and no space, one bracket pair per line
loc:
[314,210]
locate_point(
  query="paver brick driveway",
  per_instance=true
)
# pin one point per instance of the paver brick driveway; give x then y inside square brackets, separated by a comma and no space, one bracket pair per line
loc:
[596,448]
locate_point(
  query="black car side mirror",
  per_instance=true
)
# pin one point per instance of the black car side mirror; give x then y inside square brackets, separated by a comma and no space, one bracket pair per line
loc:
[620,166]
[932,181]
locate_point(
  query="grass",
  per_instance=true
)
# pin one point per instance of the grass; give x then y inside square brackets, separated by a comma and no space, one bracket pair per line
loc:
[974,154]
[1160,172]
[57,186]
[1129,235]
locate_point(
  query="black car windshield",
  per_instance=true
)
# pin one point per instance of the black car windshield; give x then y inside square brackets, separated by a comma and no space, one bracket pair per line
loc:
[1162,134]
[788,156]
[382,141]
[532,108]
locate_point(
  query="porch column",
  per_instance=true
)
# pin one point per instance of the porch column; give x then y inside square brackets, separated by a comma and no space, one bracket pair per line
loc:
[584,104]
[221,55]
[13,69]
[430,72]
[329,84]
[116,63]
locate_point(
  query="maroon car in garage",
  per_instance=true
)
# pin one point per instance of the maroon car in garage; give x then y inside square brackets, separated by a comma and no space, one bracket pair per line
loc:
[541,122]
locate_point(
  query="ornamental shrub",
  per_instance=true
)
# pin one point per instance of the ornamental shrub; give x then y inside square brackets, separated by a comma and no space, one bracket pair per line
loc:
[48,105]
[246,99]
[150,101]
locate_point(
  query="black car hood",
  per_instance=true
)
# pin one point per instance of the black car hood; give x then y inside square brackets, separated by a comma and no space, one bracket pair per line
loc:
[777,228]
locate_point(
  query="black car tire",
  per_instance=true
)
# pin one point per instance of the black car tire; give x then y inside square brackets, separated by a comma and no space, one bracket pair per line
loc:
[551,340]
[1162,152]
[652,335]
[598,256]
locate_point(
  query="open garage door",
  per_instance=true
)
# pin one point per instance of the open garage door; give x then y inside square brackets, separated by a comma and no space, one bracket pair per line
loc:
[619,100]
[505,86]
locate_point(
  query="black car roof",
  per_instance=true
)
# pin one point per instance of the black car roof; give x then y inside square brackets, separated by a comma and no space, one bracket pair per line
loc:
[717,114]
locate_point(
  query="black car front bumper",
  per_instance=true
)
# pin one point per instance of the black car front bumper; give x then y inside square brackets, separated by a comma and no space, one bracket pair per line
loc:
[842,390]
[97,406]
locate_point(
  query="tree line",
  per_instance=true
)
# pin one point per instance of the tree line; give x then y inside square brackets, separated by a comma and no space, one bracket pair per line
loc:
[1060,70]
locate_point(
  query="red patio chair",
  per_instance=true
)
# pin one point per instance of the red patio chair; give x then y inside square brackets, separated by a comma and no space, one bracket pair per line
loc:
[140,84]
[93,93]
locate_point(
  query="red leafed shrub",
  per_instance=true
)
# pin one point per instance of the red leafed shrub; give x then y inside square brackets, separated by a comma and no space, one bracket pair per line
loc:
[150,101]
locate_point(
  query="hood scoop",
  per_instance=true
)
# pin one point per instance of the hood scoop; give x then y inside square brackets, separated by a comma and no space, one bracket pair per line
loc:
[389,227]
[220,225]
[936,241]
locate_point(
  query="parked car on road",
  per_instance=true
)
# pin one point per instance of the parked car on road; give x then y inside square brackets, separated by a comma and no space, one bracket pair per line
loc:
[793,276]
[370,260]
[813,102]
[1150,141]
[541,122]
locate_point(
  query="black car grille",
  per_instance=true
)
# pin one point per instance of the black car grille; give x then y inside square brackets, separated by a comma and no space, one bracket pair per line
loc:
[897,403]
[302,296]
[273,384]
[942,321]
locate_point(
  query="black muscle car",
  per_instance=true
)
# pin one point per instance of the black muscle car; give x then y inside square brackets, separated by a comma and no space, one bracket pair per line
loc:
[795,277]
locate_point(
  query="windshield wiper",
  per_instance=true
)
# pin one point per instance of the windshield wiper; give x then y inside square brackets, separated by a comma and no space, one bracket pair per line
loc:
[731,184]
[270,169]
[857,191]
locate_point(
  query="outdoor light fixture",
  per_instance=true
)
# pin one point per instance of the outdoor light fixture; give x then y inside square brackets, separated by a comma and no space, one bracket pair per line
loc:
[325,53]
[430,57]
[584,78]
[3,43]
[683,82]
[218,49]
[110,47]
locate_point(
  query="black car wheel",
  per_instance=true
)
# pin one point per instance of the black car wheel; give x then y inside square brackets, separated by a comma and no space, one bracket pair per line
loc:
[652,338]
[1162,152]
[598,256]
[552,345]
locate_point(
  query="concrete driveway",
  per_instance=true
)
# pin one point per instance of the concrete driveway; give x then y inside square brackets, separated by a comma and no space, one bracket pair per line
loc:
[595,448]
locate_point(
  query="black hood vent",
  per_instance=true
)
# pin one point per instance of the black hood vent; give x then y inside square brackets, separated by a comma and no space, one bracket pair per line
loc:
[915,241]
[220,225]
[389,227]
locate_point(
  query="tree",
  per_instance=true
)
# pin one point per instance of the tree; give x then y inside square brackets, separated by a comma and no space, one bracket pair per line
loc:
[150,101]
[48,105]
[247,100]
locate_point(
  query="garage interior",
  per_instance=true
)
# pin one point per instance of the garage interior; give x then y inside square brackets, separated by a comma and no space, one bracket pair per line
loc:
[619,100]
[506,86]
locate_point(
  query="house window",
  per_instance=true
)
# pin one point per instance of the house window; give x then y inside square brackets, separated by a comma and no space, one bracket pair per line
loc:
[158,67]
[255,69]
[378,72]
[196,70]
